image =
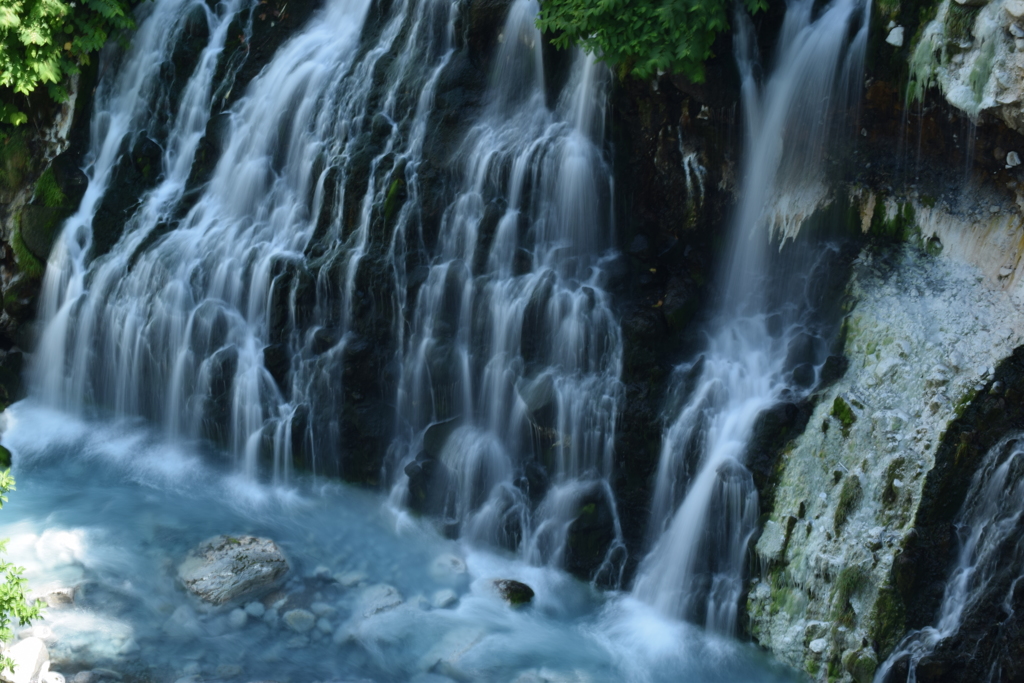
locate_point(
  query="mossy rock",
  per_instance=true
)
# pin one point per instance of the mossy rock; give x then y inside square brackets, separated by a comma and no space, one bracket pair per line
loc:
[5,458]
[888,618]
[514,593]
[842,411]
[849,498]
[39,226]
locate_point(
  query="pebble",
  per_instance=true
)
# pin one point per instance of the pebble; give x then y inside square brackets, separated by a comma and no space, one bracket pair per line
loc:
[322,609]
[818,645]
[299,620]
[322,572]
[255,609]
[444,598]
[324,626]
[237,618]
[350,579]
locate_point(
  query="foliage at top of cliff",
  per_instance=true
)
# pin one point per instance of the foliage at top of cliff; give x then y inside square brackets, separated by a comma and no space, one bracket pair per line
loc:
[43,42]
[642,37]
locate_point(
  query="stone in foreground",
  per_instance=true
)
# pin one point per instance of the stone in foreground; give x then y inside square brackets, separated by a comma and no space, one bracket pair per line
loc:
[514,592]
[228,569]
[30,659]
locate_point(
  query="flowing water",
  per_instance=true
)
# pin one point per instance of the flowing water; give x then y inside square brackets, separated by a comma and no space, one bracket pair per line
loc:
[332,230]
[514,351]
[112,507]
[762,348]
[990,559]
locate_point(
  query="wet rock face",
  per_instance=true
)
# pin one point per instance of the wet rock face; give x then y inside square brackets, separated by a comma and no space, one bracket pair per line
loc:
[991,635]
[230,569]
[590,536]
[883,452]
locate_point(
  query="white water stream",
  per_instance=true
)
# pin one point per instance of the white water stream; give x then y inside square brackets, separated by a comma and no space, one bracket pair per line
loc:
[990,558]
[705,506]
[225,312]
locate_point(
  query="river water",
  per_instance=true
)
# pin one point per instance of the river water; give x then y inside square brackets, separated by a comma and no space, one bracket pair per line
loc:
[112,507]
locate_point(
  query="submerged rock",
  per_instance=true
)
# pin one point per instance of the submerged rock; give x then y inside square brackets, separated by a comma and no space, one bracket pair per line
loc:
[299,620]
[514,593]
[227,569]
[377,599]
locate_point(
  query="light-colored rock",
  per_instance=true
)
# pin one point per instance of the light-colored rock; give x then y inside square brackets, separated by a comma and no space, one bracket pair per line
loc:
[226,569]
[60,597]
[324,626]
[52,677]
[238,618]
[29,657]
[299,620]
[350,579]
[378,598]
[934,313]
[255,609]
[1012,159]
[895,37]
[322,609]
[1015,8]
[447,566]
[444,598]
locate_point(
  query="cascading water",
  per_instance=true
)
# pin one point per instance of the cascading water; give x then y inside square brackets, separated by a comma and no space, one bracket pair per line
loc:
[514,357]
[990,559]
[761,348]
[232,320]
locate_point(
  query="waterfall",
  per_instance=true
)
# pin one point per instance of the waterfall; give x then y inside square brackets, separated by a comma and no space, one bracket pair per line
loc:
[512,365]
[762,347]
[990,559]
[223,315]
[258,287]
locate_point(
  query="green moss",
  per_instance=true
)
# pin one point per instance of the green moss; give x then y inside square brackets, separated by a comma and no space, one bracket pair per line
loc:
[982,69]
[959,23]
[888,619]
[861,664]
[812,667]
[28,263]
[842,411]
[391,202]
[48,191]
[849,498]
[927,55]
[5,458]
[15,160]
[851,580]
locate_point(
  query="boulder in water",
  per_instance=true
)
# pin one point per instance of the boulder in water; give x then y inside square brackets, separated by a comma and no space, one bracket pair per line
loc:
[227,569]
[514,593]
[30,658]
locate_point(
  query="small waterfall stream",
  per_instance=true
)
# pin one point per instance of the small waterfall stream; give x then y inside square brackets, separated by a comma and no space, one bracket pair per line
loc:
[990,557]
[705,506]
